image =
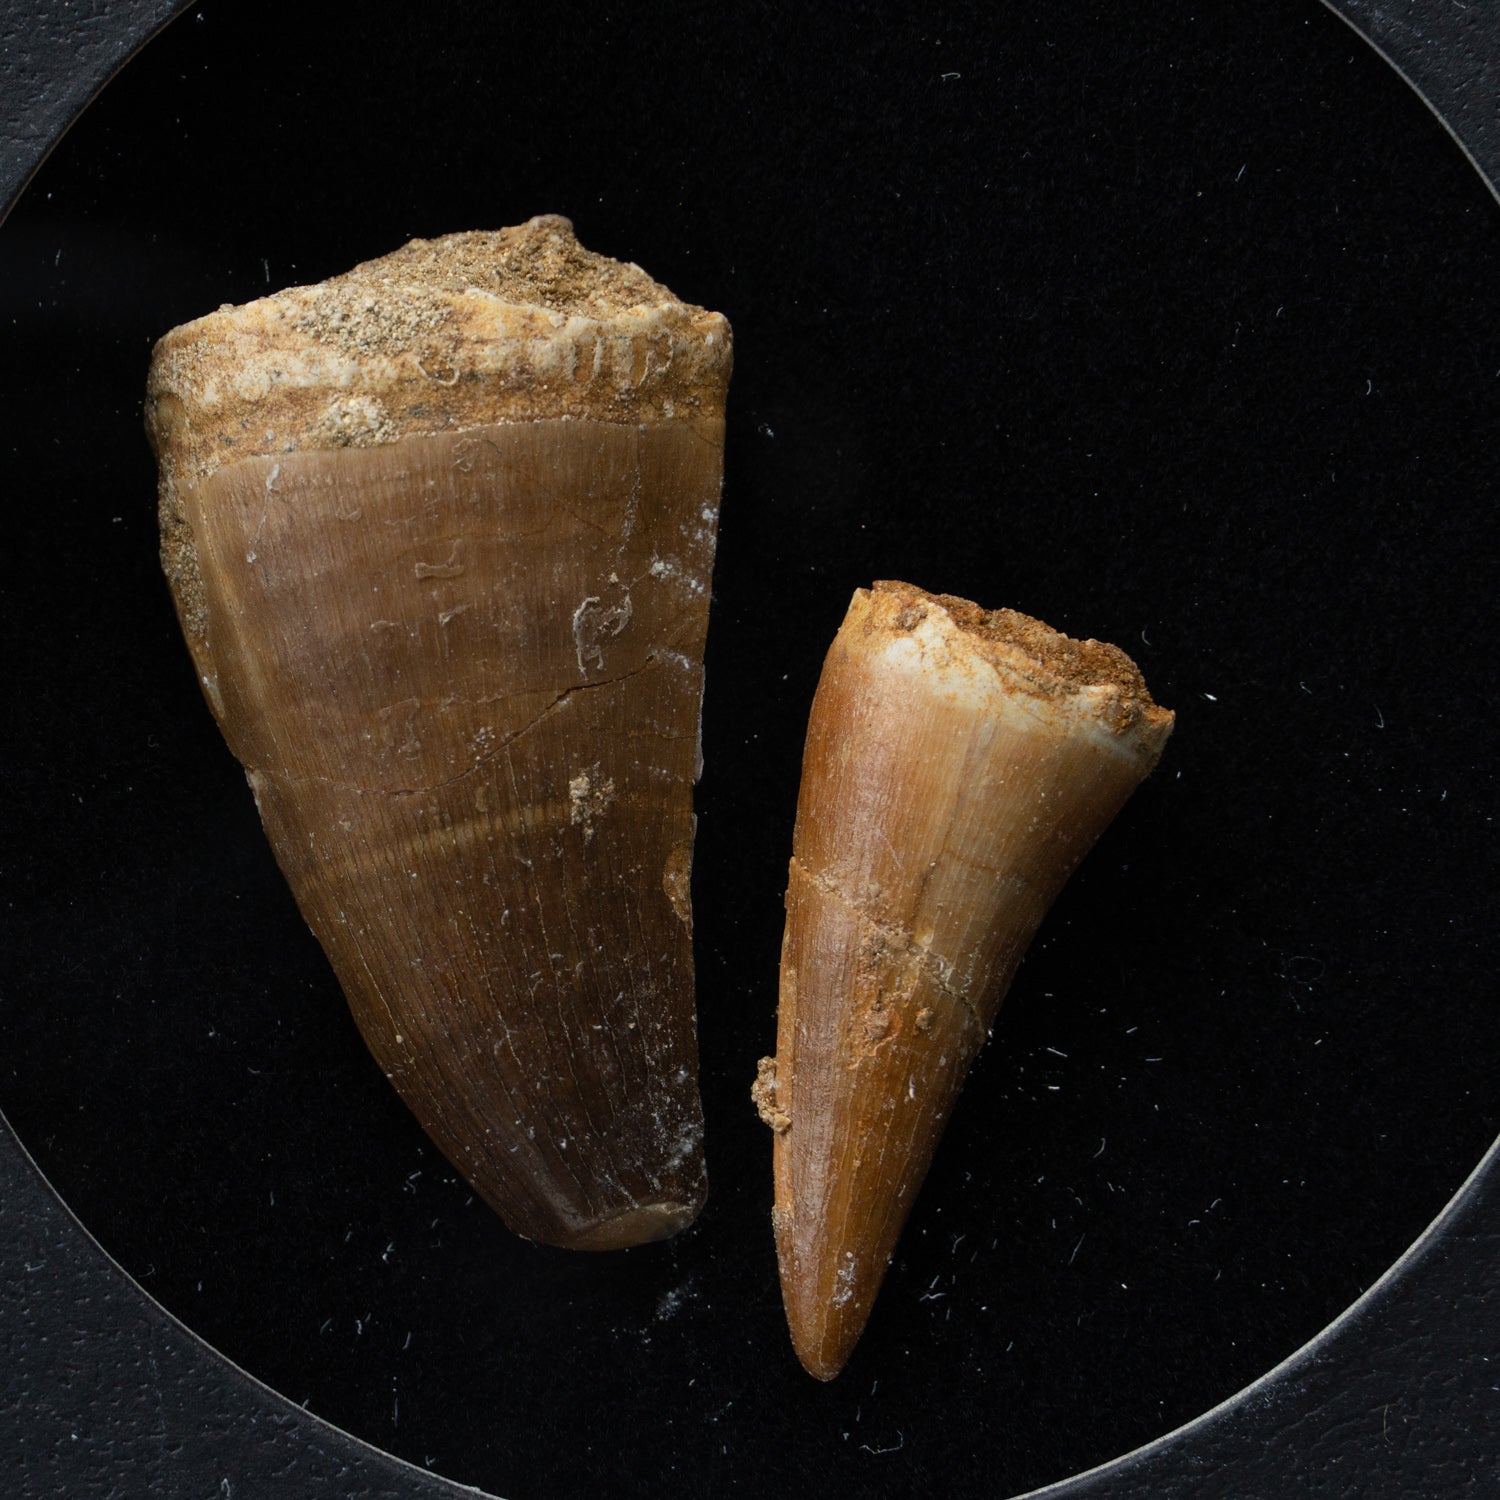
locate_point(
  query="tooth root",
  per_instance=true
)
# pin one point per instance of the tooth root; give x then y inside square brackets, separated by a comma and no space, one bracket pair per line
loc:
[959,764]
[440,534]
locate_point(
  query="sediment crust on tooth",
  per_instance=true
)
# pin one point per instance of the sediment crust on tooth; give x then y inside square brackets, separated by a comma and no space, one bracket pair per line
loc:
[959,763]
[1095,686]
[440,534]
[484,327]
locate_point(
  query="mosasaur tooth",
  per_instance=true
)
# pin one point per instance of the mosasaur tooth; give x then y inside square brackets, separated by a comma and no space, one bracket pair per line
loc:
[439,533]
[959,764]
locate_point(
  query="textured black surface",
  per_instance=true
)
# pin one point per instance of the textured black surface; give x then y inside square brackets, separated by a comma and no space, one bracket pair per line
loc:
[1398,1398]
[1448,53]
[121,821]
[53,60]
[104,1395]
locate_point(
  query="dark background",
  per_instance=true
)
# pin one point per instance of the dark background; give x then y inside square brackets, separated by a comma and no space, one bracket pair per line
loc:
[1175,331]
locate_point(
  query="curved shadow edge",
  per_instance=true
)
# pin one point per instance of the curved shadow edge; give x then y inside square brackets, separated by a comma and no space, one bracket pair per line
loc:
[1392,1398]
[103,1392]
[1450,57]
[53,60]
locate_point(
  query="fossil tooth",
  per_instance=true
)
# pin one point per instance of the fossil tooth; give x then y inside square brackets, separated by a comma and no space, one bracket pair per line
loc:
[959,764]
[439,533]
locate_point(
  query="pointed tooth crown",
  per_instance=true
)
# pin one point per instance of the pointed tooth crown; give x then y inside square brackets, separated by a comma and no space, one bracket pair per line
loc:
[959,763]
[440,533]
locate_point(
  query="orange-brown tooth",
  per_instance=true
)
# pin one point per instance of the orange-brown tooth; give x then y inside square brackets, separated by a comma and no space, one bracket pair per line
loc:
[959,764]
[439,533]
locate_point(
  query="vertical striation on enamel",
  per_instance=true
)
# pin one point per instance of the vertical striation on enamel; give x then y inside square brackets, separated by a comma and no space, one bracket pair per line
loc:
[440,533]
[959,763]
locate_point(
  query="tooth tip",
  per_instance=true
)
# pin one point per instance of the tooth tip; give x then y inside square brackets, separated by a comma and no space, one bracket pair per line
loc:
[820,1369]
[822,1343]
[828,1285]
[641,1225]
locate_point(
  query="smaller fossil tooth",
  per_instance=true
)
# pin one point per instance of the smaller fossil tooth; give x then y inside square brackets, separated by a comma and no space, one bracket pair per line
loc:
[960,762]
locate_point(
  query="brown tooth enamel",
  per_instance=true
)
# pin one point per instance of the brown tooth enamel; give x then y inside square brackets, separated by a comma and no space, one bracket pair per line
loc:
[439,533]
[959,764]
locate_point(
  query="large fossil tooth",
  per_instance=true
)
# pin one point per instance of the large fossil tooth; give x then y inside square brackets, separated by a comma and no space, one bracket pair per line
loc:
[959,764]
[440,533]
